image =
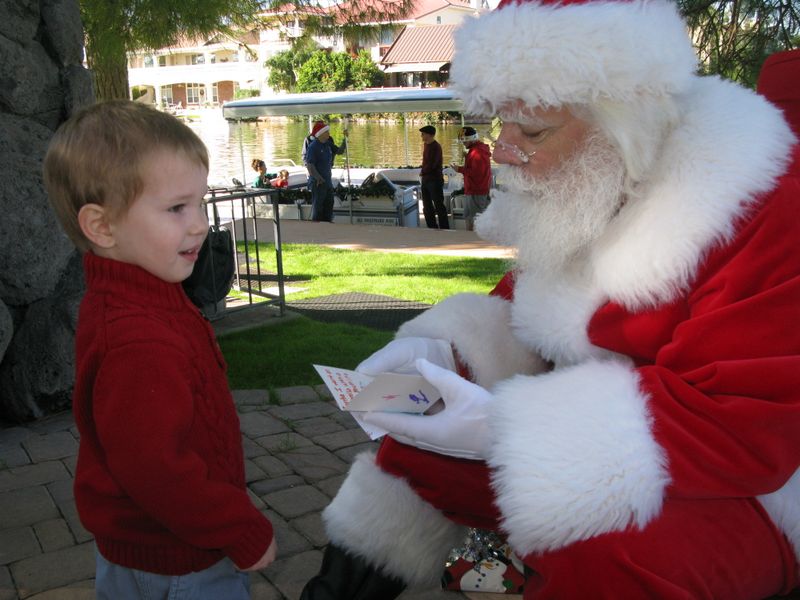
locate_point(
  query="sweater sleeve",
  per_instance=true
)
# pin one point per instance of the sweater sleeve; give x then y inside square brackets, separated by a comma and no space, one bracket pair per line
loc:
[144,411]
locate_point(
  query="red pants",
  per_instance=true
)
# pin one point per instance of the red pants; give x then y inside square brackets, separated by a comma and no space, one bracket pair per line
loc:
[724,549]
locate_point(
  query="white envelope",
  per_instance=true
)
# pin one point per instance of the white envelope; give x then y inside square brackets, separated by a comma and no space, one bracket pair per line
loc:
[389,392]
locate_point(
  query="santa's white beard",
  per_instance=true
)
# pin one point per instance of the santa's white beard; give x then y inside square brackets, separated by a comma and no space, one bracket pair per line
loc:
[553,219]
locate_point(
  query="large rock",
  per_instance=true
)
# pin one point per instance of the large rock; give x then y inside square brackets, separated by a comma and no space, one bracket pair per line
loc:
[20,20]
[38,369]
[42,82]
[78,87]
[63,29]
[32,264]
[6,328]
[30,82]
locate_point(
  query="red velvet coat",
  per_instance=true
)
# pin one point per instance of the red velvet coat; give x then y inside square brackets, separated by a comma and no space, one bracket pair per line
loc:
[672,348]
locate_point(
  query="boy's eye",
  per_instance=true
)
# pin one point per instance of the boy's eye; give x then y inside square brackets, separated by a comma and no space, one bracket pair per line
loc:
[177,208]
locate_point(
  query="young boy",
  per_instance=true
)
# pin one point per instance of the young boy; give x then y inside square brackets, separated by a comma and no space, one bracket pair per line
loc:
[282,180]
[160,474]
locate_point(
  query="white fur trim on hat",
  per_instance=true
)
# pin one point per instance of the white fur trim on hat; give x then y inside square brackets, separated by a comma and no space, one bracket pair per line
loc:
[379,518]
[574,456]
[551,55]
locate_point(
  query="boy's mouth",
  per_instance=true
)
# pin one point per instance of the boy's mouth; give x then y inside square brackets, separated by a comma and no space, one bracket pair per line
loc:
[191,254]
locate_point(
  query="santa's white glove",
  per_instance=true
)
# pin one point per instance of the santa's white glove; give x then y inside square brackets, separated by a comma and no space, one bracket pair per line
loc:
[399,356]
[461,429]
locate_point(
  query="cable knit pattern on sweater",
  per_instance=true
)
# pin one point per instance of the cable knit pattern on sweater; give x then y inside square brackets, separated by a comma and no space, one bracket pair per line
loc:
[160,476]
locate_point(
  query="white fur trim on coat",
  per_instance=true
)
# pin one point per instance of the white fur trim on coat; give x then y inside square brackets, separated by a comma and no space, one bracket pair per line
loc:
[783,507]
[730,146]
[479,329]
[549,55]
[574,456]
[380,519]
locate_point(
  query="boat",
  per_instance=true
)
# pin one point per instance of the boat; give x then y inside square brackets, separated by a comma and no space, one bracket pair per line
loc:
[369,196]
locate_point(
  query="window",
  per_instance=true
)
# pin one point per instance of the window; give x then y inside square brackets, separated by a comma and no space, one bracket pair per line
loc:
[148,61]
[198,59]
[215,93]
[387,36]
[166,94]
[194,91]
[438,20]
[162,61]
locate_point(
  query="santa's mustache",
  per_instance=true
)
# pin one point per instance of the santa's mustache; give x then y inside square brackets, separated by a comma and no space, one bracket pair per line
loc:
[552,218]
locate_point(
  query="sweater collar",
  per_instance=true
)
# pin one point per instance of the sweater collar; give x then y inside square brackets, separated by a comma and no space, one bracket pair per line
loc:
[105,275]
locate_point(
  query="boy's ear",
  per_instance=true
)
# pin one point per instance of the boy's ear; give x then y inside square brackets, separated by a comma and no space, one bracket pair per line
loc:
[94,222]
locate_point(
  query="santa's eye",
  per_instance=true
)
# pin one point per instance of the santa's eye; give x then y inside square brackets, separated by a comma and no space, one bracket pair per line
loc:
[534,134]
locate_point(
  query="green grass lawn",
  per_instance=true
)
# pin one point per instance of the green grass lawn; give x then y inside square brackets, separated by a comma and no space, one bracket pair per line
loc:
[281,355]
[420,277]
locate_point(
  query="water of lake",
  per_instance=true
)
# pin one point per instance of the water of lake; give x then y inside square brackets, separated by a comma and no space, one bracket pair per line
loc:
[370,144]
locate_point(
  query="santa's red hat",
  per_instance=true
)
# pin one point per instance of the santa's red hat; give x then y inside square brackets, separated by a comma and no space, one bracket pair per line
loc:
[554,53]
[319,127]
[779,81]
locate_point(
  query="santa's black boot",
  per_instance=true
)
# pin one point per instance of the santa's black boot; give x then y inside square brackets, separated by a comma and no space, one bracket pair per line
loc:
[347,577]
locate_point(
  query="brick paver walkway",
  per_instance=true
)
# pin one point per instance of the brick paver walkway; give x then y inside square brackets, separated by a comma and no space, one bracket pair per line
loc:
[298,447]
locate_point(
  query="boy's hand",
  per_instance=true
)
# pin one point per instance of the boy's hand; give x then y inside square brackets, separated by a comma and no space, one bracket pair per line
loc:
[265,560]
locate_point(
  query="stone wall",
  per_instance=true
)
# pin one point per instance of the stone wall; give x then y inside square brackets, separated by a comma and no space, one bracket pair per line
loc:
[42,81]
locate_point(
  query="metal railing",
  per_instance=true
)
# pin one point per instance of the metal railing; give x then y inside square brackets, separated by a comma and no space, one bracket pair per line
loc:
[235,209]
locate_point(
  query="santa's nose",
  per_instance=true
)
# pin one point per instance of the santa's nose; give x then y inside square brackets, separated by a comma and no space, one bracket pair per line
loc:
[507,152]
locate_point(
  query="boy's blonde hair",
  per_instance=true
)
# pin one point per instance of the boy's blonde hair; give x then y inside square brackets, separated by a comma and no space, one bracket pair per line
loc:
[97,157]
[283,172]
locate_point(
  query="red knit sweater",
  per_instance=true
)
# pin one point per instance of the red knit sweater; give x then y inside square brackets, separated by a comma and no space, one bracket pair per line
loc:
[160,475]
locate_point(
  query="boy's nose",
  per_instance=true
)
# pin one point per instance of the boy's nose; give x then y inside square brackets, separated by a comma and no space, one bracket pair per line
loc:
[200,222]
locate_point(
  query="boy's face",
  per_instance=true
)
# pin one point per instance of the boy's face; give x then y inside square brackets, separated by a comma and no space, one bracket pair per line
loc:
[164,227]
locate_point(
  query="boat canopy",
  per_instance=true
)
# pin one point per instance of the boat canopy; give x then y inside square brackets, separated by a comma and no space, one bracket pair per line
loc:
[397,100]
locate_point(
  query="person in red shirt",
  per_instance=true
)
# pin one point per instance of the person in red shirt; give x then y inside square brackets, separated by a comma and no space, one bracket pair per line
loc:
[282,180]
[432,180]
[477,171]
[160,477]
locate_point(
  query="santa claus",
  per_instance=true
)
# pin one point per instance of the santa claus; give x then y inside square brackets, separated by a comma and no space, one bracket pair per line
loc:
[625,406]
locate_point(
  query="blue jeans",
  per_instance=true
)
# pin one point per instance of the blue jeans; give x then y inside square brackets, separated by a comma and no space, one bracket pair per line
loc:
[321,201]
[222,580]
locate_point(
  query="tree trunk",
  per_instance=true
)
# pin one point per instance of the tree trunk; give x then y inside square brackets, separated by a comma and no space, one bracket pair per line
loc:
[110,69]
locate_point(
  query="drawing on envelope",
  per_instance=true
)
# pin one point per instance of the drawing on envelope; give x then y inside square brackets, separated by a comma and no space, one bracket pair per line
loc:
[390,392]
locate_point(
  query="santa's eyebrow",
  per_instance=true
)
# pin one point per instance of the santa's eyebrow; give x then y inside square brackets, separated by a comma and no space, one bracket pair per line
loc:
[520,118]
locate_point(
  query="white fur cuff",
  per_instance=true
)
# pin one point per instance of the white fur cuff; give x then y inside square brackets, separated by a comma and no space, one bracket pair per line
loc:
[574,456]
[783,507]
[379,518]
[479,327]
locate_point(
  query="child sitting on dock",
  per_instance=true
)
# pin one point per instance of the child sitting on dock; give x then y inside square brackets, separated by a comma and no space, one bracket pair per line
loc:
[160,477]
[263,179]
[282,180]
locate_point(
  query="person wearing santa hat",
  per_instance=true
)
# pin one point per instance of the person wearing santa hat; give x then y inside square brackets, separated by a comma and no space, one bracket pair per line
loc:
[477,171]
[335,149]
[319,163]
[625,405]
